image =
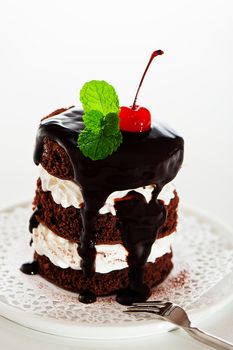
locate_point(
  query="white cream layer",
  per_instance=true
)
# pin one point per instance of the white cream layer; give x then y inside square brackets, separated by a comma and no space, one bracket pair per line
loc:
[67,193]
[63,253]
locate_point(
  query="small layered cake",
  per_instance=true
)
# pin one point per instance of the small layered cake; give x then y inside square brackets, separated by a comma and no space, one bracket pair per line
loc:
[56,237]
[105,210]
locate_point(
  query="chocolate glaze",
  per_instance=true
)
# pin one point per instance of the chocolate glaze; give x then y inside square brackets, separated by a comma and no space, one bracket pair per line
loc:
[153,157]
[33,222]
[87,297]
[140,223]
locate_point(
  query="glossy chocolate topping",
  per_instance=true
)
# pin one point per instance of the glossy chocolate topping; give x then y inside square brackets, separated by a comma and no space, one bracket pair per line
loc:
[153,157]
[33,223]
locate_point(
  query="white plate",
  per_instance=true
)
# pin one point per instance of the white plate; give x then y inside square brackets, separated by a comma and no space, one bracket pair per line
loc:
[202,282]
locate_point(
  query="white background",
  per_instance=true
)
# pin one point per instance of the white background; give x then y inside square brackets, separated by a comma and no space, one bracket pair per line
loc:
[50,48]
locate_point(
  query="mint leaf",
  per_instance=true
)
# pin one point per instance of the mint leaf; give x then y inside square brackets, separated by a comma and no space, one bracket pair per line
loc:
[111,124]
[100,139]
[93,120]
[98,145]
[100,96]
[96,121]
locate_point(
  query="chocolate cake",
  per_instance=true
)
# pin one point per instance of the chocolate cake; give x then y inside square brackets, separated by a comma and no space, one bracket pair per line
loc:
[104,224]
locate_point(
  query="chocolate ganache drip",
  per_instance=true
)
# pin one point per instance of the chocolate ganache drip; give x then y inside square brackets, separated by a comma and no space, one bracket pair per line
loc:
[152,157]
[33,222]
[31,268]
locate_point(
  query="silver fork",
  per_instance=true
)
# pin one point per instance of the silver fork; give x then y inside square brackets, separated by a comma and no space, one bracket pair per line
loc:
[175,314]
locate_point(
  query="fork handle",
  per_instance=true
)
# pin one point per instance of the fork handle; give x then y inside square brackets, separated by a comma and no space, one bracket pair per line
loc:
[208,339]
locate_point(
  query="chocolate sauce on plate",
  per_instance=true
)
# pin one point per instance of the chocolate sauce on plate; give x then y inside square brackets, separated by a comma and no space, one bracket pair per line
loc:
[30,268]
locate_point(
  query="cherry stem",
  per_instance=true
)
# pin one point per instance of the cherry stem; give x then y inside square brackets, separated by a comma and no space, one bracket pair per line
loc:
[154,54]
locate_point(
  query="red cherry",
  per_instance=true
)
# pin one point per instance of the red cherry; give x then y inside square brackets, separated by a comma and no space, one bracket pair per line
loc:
[135,120]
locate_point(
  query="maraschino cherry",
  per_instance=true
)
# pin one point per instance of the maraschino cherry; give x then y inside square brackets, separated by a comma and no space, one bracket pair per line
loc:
[136,118]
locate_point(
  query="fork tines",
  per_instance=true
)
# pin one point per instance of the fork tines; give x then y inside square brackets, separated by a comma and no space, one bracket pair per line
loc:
[142,309]
[157,307]
[158,303]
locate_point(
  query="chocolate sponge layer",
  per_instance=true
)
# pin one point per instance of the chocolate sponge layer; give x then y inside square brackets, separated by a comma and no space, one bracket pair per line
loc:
[55,160]
[67,223]
[102,284]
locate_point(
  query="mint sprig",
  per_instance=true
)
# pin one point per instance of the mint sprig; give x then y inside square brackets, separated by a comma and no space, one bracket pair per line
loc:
[101,136]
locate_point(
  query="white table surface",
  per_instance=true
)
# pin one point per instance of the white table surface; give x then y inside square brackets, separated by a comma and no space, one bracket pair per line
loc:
[50,48]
